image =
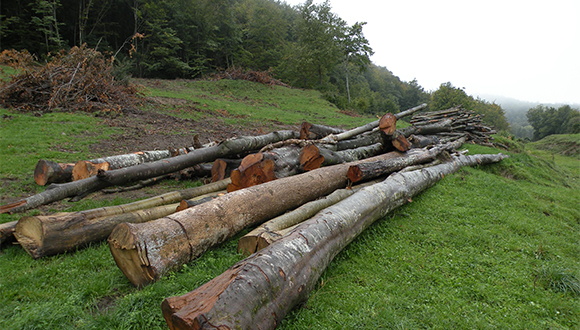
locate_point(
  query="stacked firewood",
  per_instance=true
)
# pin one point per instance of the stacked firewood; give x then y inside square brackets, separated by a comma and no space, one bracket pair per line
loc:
[256,181]
[452,123]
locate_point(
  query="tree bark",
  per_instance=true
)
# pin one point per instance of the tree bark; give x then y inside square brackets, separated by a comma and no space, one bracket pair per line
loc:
[260,290]
[371,170]
[310,131]
[86,168]
[7,232]
[47,171]
[48,235]
[147,170]
[313,157]
[365,128]
[272,230]
[144,252]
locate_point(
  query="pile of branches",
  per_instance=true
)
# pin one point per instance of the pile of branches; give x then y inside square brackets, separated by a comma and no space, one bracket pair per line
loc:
[262,77]
[78,80]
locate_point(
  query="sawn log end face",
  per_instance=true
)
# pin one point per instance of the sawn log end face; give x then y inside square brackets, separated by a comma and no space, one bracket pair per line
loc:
[29,233]
[129,258]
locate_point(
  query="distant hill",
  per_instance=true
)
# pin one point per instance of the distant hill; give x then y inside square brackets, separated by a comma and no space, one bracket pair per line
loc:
[515,112]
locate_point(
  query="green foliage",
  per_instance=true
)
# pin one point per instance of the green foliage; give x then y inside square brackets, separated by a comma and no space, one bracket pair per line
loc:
[548,120]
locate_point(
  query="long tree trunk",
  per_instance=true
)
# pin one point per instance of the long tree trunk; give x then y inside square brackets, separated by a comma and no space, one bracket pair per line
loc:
[271,230]
[144,252]
[313,157]
[47,235]
[35,228]
[7,232]
[147,170]
[372,170]
[259,291]
[365,128]
[86,168]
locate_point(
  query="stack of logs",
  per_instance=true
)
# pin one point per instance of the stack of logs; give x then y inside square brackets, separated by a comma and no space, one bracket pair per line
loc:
[303,190]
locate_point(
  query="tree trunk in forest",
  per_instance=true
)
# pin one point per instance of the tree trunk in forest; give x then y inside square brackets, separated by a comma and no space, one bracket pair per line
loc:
[7,232]
[147,170]
[48,235]
[144,255]
[47,171]
[260,290]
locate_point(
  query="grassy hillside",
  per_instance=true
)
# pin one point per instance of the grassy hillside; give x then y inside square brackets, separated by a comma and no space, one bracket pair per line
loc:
[488,247]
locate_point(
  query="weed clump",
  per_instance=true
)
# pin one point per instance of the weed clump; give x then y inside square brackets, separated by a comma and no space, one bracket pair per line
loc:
[78,80]
[558,280]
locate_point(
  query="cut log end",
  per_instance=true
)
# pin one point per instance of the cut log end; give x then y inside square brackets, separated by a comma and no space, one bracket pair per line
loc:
[47,172]
[84,169]
[129,257]
[388,123]
[218,171]
[29,233]
[305,131]
[310,158]
[178,312]
[255,174]
[401,143]
[41,172]
[354,174]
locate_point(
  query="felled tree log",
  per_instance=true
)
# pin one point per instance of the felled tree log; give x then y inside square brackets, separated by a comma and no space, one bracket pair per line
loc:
[86,168]
[310,131]
[313,157]
[48,235]
[47,171]
[365,128]
[260,290]
[7,232]
[272,230]
[371,170]
[147,170]
[144,252]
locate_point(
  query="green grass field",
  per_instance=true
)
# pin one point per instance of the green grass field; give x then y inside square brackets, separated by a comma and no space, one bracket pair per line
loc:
[491,247]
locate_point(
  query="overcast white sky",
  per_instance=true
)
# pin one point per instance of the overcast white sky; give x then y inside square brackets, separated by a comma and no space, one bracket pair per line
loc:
[525,49]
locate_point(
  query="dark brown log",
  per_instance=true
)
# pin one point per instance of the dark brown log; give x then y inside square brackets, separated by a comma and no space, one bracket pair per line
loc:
[222,168]
[310,131]
[421,141]
[260,290]
[7,232]
[144,255]
[47,172]
[146,170]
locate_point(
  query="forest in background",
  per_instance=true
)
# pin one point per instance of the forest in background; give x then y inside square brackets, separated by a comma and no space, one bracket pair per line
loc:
[306,46]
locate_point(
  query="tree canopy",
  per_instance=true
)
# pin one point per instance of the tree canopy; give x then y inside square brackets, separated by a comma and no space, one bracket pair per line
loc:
[549,120]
